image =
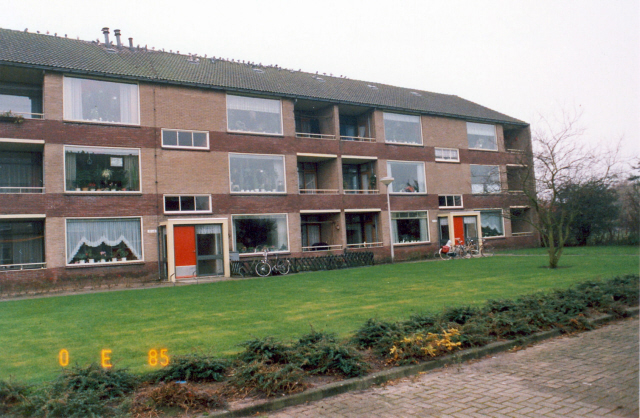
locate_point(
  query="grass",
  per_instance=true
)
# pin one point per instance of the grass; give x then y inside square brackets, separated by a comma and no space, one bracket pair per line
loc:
[214,318]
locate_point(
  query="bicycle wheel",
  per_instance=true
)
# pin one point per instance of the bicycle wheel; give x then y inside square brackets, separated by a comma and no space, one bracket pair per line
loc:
[444,256]
[263,269]
[283,266]
[487,250]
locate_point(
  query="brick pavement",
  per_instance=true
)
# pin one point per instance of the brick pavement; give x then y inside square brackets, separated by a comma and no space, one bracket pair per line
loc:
[592,374]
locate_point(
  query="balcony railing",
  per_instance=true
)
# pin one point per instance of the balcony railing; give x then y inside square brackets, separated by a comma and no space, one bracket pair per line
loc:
[15,190]
[318,191]
[315,136]
[357,138]
[361,191]
[27,266]
[365,245]
[335,247]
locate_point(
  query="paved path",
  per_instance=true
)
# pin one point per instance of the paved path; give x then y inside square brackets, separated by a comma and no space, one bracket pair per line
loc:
[593,374]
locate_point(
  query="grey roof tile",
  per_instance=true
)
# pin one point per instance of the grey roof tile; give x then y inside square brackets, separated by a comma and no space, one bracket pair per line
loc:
[76,56]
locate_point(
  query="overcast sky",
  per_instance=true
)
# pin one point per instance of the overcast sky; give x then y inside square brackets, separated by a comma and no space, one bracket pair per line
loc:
[521,58]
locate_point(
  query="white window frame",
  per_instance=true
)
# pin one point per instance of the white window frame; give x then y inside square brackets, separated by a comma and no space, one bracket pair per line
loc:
[229,129]
[66,242]
[424,179]
[499,179]
[452,206]
[177,212]
[64,159]
[446,159]
[178,131]
[233,232]
[414,144]
[395,226]
[495,136]
[68,103]
[284,174]
[501,217]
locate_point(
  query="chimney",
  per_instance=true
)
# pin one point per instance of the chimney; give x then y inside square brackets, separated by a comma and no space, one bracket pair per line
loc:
[117,33]
[106,36]
[131,43]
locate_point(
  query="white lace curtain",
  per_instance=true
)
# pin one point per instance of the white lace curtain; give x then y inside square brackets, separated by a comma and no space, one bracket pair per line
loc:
[493,220]
[112,232]
[76,88]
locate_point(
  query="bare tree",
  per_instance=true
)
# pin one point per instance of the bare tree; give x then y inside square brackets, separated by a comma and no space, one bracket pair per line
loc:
[561,160]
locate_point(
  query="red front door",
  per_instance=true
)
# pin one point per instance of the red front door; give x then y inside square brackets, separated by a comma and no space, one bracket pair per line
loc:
[458,229]
[184,239]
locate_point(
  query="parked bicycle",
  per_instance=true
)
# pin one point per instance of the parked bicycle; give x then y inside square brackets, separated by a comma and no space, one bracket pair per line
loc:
[450,251]
[266,268]
[479,248]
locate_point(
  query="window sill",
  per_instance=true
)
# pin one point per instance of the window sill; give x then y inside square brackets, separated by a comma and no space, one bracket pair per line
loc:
[261,254]
[101,192]
[168,147]
[409,144]
[97,122]
[408,244]
[496,237]
[244,193]
[483,149]
[280,135]
[408,194]
[448,161]
[105,264]
[450,207]
[189,213]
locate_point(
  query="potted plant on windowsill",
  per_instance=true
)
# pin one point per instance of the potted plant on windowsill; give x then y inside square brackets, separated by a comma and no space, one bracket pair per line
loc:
[122,253]
[9,116]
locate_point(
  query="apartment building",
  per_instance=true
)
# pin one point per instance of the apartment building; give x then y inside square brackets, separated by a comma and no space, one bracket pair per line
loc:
[117,159]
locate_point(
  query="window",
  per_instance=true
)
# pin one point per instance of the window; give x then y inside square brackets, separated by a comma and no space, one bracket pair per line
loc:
[21,99]
[492,223]
[104,240]
[410,227]
[359,178]
[21,171]
[403,129]
[254,115]
[21,244]
[252,173]
[450,201]
[447,154]
[485,179]
[307,177]
[102,169]
[257,233]
[408,177]
[187,204]
[362,230]
[482,136]
[521,221]
[101,101]
[184,139]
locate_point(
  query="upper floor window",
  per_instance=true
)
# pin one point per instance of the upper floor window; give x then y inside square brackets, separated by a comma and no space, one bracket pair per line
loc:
[402,129]
[187,204]
[485,179]
[21,99]
[102,169]
[450,201]
[482,136]
[447,154]
[254,115]
[253,173]
[408,177]
[172,138]
[101,101]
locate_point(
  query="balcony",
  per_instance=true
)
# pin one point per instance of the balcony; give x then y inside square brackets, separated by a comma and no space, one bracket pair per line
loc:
[362,229]
[22,244]
[516,140]
[320,231]
[317,174]
[356,124]
[21,93]
[314,120]
[359,175]
[21,167]
[517,177]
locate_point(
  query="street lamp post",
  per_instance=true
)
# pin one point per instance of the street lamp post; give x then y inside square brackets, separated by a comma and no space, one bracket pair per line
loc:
[387,181]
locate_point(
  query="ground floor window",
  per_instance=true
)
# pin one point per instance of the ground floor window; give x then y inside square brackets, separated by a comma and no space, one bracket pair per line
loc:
[492,224]
[103,240]
[21,244]
[362,230]
[521,221]
[410,227]
[259,233]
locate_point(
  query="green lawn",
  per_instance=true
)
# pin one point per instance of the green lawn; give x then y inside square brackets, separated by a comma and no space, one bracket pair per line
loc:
[216,317]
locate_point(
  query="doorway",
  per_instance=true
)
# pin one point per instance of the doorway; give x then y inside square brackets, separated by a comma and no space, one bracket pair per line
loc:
[198,250]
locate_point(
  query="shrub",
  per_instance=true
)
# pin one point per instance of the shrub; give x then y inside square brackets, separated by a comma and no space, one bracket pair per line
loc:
[412,348]
[421,322]
[376,334]
[265,349]
[460,314]
[319,353]
[267,378]
[12,394]
[82,392]
[174,395]
[193,368]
